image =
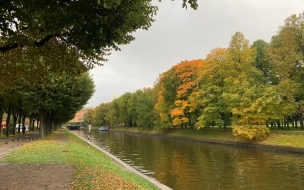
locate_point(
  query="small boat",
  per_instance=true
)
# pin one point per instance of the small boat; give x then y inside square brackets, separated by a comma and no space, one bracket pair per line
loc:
[103,128]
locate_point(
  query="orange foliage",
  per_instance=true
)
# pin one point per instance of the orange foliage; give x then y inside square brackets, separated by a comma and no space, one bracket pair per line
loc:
[178,115]
[177,112]
[188,72]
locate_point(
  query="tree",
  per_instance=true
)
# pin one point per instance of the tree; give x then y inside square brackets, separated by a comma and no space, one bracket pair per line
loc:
[187,73]
[90,27]
[99,116]
[287,55]
[146,117]
[241,74]
[124,117]
[213,108]
[167,86]
[262,62]
[58,99]
[88,116]
[244,91]
[131,109]
[113,114]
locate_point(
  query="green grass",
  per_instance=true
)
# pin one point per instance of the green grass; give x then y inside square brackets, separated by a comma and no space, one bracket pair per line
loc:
[42,152]
[206,133]
[95,170]
[286,140]
[138,130]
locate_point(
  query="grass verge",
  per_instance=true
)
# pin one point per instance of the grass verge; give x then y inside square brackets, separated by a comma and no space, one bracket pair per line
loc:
[94,169]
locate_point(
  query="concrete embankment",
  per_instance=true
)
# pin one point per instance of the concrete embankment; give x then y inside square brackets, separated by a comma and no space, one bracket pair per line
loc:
[127,167]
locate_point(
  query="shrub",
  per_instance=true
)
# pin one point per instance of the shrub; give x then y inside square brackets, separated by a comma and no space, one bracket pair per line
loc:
[251,132]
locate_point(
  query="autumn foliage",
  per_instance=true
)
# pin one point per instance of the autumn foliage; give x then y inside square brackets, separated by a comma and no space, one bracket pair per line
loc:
[249,88]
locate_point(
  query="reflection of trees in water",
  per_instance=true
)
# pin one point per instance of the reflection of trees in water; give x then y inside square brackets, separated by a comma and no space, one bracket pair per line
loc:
[182,164]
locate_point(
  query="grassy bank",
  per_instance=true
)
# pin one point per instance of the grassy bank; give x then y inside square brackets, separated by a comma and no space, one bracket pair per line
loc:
[94,169]
[286,138]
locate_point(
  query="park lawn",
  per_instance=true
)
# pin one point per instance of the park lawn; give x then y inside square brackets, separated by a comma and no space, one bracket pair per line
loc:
[285,139]
[94,170]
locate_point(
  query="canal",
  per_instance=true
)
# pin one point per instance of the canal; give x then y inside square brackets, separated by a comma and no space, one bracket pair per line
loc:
[186,165]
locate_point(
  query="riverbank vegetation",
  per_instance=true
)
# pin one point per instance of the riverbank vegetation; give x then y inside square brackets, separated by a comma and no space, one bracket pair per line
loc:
[94,170]
[251,88]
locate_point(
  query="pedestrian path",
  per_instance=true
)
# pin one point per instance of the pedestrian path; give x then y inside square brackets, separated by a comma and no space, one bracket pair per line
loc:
[10,143]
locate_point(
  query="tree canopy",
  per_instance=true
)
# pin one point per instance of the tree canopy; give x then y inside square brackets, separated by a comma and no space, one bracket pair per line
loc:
[92,28]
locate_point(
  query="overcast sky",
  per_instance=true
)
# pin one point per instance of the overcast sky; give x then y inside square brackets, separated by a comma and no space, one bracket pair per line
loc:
[179,34]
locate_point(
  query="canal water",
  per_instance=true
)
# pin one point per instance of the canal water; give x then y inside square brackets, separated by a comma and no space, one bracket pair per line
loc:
[187,165]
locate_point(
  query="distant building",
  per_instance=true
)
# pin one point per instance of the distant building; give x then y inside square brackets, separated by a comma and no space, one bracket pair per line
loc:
[78,118]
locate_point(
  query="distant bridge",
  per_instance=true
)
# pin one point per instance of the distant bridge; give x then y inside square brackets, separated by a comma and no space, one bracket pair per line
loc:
[73,127]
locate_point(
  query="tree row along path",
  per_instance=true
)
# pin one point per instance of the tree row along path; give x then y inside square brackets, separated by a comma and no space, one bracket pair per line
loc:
[32,176]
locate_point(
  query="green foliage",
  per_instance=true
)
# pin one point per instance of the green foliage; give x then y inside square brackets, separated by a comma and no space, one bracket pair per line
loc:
[64,95]
[145,108]
[167,86]
[88,116]
[106,24]
[251,132]
[261,62]
[131,109]
[99,114]
[210,94]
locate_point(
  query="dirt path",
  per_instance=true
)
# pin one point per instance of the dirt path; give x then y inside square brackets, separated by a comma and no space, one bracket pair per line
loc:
[31,176]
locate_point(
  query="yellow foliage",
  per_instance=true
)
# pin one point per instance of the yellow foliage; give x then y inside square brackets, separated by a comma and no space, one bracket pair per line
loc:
[251,132]
[180,120]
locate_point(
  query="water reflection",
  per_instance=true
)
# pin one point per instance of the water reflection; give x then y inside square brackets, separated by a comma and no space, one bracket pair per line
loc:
[187,165]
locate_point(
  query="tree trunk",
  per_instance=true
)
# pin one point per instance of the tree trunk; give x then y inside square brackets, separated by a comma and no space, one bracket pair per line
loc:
[1,114]
[31,124]
[23,125]
[19,123]
[9,112]
[279,124]
[301,120]
[38,123]
[42,118]
[223,117]
[14,125]
[23,114]
[49,124]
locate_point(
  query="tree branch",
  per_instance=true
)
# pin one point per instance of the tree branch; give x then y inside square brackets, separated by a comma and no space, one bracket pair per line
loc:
[39,43]
[6,48]
[43,41]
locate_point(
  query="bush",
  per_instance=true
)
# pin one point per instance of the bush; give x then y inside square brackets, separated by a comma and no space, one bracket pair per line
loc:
[251,132]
